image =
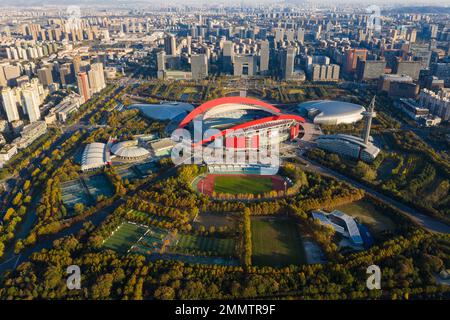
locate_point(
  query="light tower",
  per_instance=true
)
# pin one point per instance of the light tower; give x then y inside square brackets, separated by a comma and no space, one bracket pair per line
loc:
[368,115]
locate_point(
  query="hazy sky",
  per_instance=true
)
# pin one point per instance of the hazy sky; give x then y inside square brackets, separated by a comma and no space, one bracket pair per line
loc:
[245,2]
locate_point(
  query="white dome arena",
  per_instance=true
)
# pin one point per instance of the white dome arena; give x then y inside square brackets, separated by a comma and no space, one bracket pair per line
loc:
[331,112]
[129,150]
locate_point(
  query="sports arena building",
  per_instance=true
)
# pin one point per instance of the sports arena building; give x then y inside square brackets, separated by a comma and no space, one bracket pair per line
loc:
[240,124]
[331,112]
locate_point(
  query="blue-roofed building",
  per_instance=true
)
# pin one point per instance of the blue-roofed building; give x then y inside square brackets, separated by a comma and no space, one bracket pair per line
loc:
[341,223]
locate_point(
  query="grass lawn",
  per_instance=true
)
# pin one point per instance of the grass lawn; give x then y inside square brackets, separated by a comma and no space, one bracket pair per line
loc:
[223,247]
[276,242]
[242,184]
[124,237]
[368,214]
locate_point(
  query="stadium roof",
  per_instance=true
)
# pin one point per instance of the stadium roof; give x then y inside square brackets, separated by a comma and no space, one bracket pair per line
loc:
[129,149]
[330,109]
[94,156]
[164,111]
[229,103]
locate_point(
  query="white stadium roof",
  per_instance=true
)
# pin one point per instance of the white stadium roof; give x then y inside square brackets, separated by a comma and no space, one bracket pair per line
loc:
[129,149]
[332,112]
[164,111]
[94,156]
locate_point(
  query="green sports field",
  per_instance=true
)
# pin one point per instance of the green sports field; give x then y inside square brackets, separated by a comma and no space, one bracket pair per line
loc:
[124,237]
[276,242]
[223,247]
[242,184]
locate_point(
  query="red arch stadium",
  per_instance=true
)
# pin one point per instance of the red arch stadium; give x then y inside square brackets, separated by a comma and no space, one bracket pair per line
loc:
[242,122]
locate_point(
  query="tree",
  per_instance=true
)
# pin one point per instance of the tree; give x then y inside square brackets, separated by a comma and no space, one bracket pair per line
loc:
[364,171]
[165,293]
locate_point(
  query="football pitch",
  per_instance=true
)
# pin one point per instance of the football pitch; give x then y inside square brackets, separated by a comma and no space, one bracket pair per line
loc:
[242,184]
[223,247]
[276,242]
[124,237]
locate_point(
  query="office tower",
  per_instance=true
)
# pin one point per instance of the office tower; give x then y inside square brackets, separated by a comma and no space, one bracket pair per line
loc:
[264,57]
[31,102]
[199,66]
[227,56]
[83,86]
[9,102]
[368,115]
[96,77]
[170,45]
[287,63]
[45,76]
[301,35]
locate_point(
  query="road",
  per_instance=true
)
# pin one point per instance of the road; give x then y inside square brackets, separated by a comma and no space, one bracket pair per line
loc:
[427,222]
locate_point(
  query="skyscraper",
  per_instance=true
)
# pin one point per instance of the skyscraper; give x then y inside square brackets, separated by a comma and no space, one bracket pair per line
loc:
[264,57]
[287,63]
[199,66]
[83,86]
[10,104]
[96,78]
[227,56]
[45,76]
[170,45]
[31,102]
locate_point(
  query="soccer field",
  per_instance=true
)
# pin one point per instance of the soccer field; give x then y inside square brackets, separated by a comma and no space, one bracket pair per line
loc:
[223,247]
[242,184]
[124,237]
[276,242]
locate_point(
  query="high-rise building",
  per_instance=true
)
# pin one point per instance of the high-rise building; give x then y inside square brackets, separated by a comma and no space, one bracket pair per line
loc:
[370,69]
[10,104]
[409,68]
[2,78]
[351,59]
[96,77]
[65,74]
[170,45]
[199,66]
[287,63]
[83,86]
[31,101]
[228,56]
[45,76]
[264,57]
[301,35]
[76,64]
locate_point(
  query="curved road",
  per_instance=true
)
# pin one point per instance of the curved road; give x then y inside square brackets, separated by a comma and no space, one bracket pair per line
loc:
[427,222]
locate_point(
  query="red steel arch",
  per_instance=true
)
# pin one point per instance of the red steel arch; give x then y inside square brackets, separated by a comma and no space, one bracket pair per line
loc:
[217,102]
